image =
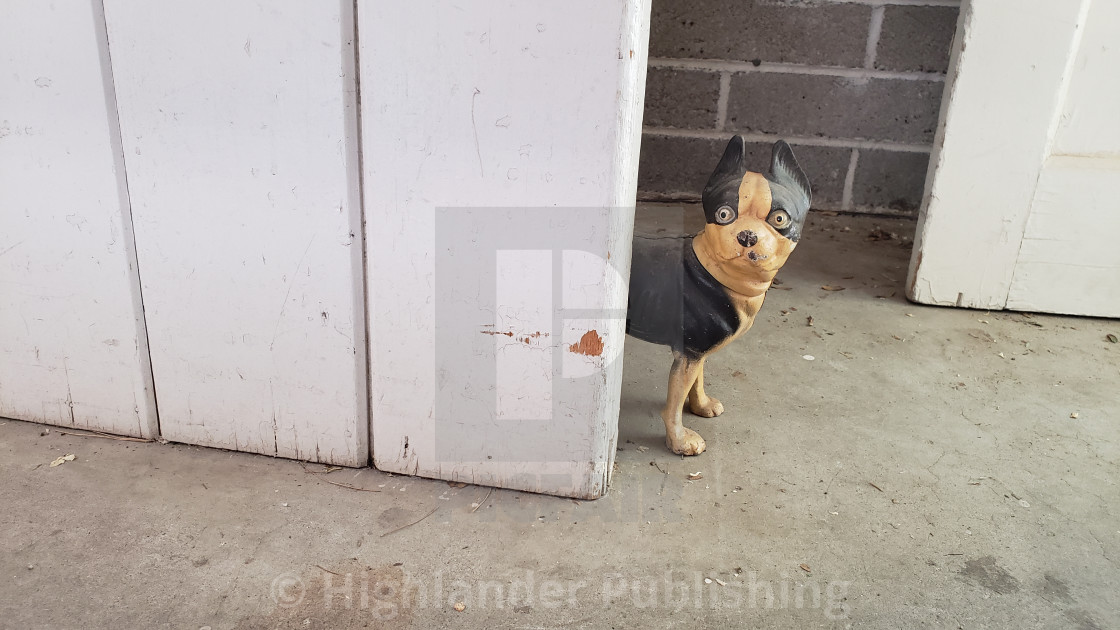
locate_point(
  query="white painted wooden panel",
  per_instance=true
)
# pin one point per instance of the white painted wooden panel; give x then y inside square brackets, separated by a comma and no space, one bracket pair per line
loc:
[1089,124]
[1022,209]
[1069,261]
[532,110]
[1005,86]
[239,130]
[72,348]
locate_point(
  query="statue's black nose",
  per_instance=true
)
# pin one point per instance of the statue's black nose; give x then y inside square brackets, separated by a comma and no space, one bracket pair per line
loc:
[747,238]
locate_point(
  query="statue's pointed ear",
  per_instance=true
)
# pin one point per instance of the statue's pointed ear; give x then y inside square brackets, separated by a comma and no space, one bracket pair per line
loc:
[723,185]
[731,165]
[787,172]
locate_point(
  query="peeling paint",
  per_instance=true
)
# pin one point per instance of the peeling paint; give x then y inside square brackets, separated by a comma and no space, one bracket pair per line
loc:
[510,333]
[494,332]
[590,344]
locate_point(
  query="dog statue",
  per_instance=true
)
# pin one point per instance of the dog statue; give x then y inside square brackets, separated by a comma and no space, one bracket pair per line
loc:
[696,294]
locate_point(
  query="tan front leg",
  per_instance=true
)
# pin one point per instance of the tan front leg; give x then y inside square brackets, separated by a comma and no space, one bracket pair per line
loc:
[700,403]
[681,378]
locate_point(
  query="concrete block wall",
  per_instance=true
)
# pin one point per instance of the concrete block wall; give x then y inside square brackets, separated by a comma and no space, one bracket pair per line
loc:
[854,85]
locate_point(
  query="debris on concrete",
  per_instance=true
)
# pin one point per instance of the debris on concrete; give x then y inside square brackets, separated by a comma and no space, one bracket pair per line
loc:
[63,459]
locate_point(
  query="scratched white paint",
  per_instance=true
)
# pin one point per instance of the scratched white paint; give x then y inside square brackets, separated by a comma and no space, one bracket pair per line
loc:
[1069,261]
[239,127]
[1088,124]
[72,348]
[1020,208]
[523,371]
[507,105]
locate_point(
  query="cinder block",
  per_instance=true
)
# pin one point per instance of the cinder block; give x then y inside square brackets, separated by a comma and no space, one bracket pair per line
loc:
[891,179]
[826,167]
[676,167]
[830,34]
[671,167]
[681,98]
[916,38]
[813,105]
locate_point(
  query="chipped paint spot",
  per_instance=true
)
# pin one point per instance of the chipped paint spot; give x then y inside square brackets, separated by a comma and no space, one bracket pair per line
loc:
[590,344]
[495,332]
[510,333]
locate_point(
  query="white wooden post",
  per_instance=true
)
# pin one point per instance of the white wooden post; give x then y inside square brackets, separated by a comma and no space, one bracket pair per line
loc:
[1020,208]
[72,345]
[239,127]
[500,144]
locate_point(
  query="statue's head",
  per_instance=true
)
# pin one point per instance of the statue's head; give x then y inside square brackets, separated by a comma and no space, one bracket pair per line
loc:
[754,219]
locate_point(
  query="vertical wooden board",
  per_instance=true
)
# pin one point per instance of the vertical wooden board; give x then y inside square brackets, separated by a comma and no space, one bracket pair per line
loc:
[72,348]
[500,145]
[1069,262]
[985,161]
[1089,124]
[239,127]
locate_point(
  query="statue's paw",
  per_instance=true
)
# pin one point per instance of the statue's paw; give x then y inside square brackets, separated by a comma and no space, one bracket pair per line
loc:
[688,443]
[709,409]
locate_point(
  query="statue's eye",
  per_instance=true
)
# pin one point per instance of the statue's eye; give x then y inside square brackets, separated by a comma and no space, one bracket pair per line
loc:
[779,219]
[725,215]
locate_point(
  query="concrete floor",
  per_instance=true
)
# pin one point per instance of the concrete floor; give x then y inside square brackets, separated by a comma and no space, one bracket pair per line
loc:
[924,471]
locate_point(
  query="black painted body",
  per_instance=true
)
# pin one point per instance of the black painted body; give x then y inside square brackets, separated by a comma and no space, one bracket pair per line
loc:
[674,301]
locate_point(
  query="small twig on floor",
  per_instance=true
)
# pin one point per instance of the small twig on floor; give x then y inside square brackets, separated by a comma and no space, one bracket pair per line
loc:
[874,486]
[329,469]
[830,482]
[328,570]
[655,465]
[348,486]
[122,438]
[335,483]
[479,504]
[393,531]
